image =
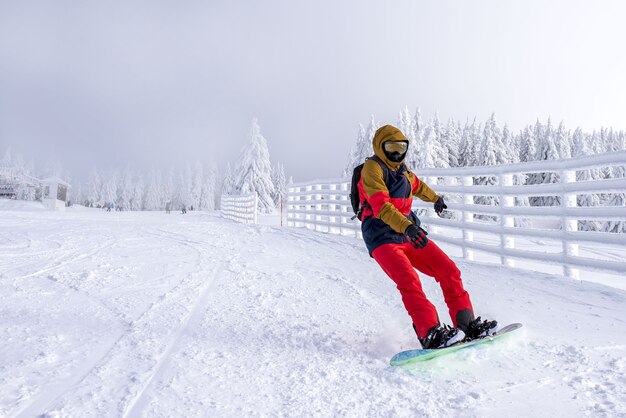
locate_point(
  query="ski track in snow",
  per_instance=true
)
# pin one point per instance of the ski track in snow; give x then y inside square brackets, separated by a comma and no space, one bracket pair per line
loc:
[154,315]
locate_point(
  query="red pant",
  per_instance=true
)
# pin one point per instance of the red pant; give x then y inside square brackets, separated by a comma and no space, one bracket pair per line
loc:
[399,261]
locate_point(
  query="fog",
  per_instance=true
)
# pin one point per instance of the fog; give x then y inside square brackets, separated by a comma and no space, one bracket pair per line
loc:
[109,84]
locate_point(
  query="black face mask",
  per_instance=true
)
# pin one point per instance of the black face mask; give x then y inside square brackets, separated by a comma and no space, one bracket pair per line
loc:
[395,157]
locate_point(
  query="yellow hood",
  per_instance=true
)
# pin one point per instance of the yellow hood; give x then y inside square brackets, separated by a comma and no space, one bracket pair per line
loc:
[384,134]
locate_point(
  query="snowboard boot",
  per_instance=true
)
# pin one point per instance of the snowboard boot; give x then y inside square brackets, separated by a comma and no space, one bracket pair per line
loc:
[441,336]
[480,328]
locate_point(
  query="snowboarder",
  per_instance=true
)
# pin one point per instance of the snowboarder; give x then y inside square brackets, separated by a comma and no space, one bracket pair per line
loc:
[395,239]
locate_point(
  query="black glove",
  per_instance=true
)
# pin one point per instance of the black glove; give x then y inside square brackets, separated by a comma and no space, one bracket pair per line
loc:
[417,235]
[440,205]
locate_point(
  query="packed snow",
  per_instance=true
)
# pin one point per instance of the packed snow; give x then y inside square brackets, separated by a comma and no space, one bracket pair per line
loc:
[143,314]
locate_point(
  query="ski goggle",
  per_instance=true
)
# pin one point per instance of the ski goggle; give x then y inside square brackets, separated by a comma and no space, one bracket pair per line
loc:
[396,146]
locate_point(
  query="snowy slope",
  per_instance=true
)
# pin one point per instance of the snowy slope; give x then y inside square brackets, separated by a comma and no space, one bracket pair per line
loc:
[154,315]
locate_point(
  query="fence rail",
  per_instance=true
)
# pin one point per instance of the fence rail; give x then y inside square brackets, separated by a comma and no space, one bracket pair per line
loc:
[324,206]
[240,208]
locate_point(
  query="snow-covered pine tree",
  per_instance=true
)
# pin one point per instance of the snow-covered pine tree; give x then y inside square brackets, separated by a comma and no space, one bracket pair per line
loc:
[367,150]
[280,183]
[432,153]
[616,143]
[125,190]
[152,199]
[109,190]
[75,194]
[228,185]
[435,147]
[183,196]
[514,147]
[563,142]
[94,189]
[254,170]
[419,130]
[581,147]
[509,145]
[356,152]
[548,151]
[207,200]
[435,125]
[407,125]
[468,149]
[492,152]
[528,146]
[167,192]
[138,192]
[364,147]
[414,134]
[451,142]
[197,182]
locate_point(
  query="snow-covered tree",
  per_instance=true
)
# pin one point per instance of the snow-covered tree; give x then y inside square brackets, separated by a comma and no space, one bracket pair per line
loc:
[581,148]
[196,185]
[94,188]
[356,152]
[432,153]
[547,150]
[138,192]
[280,183]
[182,195]
[407,124]
[125,190]
[109,188]
[451,141]
[562,140]
[469,146]
[208,196]
[492,152]
[418,125]
[363,148]
[228,185]
[254,170]
[528,145]
[168,191]
[152,198]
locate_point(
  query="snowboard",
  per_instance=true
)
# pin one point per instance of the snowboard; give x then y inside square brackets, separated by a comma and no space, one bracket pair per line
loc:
[413,356]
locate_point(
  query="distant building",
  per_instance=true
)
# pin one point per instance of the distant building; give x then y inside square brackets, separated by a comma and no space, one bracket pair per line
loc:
[54,195]
[14,184]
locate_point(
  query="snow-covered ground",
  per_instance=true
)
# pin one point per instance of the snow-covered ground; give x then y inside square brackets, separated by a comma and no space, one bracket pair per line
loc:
[155,315]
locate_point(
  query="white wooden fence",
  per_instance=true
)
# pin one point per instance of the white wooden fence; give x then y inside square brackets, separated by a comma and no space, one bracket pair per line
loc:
[241,208]
[324,206]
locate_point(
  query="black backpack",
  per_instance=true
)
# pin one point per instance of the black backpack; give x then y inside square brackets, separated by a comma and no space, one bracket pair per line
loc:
[354,187]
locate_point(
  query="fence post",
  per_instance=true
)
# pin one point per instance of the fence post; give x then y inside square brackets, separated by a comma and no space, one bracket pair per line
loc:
[570,249]
[506,221]
[468,217]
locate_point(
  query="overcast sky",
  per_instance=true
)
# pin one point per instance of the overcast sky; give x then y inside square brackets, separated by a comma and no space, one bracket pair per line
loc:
[141,82]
